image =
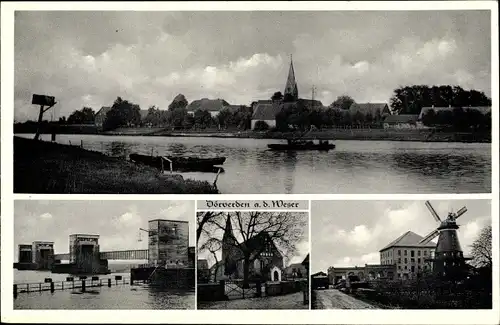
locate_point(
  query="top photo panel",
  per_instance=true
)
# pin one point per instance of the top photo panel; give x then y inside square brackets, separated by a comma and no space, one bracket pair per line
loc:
[252,102]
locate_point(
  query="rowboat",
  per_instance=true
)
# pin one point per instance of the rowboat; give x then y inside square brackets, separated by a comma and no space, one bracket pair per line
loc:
[179,163]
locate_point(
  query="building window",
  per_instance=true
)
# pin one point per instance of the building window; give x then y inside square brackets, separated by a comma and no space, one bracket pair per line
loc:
[412,253]
[406,260]
[406,252]
[406,267]
[399,259]
[418,260]
[399,252]
[413,260]
[425,253]
[418,252]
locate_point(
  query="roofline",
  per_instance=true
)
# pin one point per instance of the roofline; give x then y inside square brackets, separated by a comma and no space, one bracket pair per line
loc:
[170,220]
[84,235]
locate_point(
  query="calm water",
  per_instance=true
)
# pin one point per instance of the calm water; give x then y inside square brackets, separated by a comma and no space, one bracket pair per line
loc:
[117,297]
[361,167]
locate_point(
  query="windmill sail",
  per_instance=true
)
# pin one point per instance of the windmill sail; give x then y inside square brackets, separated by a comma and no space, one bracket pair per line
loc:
[461,211]
[429,237]
[433,212]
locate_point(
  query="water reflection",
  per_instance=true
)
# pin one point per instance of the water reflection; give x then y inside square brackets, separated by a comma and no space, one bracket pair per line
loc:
[353,167]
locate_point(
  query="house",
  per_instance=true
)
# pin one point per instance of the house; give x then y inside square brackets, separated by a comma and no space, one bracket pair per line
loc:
[266,113]
[100,116]
[296,271]
[376,110]
[408,255]
[401,121]
[203,271]
[482,109]
[311,104]
[266,263]
[214,106]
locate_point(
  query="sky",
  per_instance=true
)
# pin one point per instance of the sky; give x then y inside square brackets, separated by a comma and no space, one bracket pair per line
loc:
[117,222]
[90,58]
[351,233]
[302,246]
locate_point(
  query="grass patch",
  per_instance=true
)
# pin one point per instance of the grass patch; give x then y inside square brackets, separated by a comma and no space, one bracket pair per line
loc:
[44,167]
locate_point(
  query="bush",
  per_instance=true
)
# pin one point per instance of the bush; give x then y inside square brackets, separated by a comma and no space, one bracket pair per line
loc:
[261,126]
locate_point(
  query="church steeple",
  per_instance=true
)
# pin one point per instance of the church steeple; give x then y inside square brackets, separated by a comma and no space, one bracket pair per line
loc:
[228,247]
[291,86]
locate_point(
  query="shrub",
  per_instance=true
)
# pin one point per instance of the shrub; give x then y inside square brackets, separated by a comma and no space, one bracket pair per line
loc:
[261,126]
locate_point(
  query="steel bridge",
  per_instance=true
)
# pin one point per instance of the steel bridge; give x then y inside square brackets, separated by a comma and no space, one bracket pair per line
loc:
[137,254]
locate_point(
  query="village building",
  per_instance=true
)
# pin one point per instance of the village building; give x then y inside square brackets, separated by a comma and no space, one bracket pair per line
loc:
[266,264]
[408,255]
[100,116]
[376,110]
[267,110]
[402,121]
[296,271]
[213,106]
[364,273]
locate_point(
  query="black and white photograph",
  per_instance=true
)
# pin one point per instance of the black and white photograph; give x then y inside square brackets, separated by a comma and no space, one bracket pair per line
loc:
[401,254]
[253,260]
[252,102]
[104,254]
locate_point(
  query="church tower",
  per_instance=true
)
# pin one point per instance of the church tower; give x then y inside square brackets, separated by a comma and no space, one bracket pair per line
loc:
[228,247]
[291,86]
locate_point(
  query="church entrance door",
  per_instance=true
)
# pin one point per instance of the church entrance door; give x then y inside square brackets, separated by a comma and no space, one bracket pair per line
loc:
[276,276]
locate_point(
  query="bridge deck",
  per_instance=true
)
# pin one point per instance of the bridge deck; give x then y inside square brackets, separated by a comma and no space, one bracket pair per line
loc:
[137,254]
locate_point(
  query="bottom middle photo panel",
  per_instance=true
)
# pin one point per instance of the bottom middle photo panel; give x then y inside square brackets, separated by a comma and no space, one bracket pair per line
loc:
[253,260]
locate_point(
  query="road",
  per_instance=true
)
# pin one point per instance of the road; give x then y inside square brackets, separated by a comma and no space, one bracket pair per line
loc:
[334,299]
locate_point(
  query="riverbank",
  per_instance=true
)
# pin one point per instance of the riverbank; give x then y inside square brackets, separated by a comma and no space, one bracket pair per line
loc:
[415,135]
[45,167]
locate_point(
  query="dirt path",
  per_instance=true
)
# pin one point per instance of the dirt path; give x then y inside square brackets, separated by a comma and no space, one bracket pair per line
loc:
[334,299]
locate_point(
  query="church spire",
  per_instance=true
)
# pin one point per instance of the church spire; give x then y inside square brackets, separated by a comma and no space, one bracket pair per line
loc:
[291,85]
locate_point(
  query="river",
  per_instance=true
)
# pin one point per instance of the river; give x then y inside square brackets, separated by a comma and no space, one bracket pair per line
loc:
[121,296]
[354,167]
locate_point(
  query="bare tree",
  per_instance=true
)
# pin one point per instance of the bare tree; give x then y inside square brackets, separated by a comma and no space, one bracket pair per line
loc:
[283,229]
[204,218]
[213,245]
[481,249]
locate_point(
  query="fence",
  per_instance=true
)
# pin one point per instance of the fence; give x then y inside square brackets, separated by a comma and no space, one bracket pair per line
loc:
[82,283]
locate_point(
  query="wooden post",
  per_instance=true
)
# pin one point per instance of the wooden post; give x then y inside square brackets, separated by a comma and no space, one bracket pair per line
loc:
[39,126]
[83,285]
[109,282]
[161,164]
[81,143]
[15,291]
[62,285]
[40,287]
[52,287]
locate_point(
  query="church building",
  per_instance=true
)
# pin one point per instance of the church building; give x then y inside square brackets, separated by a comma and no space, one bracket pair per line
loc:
[266,262]
[266,110]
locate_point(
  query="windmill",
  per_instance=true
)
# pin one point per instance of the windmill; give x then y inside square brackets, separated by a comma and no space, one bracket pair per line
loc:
[449,260]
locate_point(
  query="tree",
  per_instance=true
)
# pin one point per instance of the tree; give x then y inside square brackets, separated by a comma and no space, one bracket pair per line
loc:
[481,249]
[123,113]
[343,102]
[177,116]
[261,126]
[284,229]
[179,101]
[277,96]
[225,118]
[202,118]
[213,245]
[203,219]
[429,118]
[84,116]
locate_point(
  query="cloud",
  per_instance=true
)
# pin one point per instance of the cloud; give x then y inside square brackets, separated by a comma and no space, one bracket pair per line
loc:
[46,216]
[90,58]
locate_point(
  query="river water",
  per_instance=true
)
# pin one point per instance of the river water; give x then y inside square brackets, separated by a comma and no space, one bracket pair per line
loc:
[121,296]
[354,167]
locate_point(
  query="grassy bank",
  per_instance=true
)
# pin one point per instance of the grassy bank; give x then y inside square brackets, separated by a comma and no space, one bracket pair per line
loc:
[44,167]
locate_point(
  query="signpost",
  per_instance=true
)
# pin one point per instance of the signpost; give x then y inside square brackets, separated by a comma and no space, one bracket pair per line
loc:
[43,101]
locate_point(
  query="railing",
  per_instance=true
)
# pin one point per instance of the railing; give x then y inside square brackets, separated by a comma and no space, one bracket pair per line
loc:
[82,283]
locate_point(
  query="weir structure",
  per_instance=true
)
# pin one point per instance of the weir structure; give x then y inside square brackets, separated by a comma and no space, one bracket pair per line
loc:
[170,260]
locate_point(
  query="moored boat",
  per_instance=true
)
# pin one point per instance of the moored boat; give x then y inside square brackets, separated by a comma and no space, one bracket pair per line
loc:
[179,163]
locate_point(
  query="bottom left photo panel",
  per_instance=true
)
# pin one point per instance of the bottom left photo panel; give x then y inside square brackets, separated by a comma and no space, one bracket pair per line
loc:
[104,254]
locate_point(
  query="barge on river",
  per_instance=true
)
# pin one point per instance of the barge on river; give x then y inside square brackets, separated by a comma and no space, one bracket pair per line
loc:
[295,145]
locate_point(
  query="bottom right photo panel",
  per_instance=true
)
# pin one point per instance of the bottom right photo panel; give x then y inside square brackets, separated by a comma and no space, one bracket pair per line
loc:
[433,254]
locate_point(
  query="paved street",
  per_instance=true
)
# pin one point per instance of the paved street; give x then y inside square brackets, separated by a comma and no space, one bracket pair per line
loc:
[334,299]
[291,301]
